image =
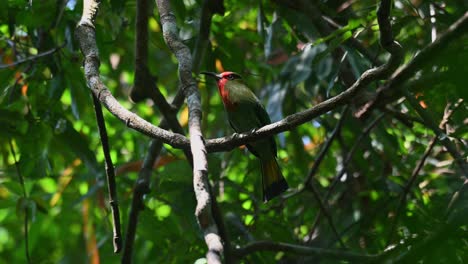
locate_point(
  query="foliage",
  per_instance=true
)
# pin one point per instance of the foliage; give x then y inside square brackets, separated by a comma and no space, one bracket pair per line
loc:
[50,139]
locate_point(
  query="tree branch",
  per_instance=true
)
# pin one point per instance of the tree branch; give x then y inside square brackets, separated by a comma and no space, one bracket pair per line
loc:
[24,203]
[86,37]
[142,187]
[447,114]
[145,87]
[32,58]
[346,162]
[203,211]
[302,250]
[90,10]
[308,182]
[409,253]
[444,139]
[325,148]
[143,84]
[209,8]
[392,90]
[109,166]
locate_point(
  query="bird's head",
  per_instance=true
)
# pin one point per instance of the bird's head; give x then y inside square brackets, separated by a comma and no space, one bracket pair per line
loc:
[223,77]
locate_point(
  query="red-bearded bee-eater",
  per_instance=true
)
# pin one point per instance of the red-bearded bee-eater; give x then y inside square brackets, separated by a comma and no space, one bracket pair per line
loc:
[246,113]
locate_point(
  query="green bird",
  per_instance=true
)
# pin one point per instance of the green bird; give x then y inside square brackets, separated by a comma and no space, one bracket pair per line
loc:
[246,113]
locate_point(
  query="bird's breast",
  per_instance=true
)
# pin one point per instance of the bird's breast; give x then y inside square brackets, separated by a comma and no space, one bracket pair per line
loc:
[228,103]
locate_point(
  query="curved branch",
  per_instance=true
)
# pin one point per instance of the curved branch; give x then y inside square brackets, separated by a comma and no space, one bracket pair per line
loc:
[392,90]
[86,36]
[90,10]
[203,211]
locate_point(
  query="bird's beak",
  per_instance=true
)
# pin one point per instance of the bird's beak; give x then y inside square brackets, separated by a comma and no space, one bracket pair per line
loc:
[212,74]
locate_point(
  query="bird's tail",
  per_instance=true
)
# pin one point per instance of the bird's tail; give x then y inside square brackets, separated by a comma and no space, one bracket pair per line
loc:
[272,180]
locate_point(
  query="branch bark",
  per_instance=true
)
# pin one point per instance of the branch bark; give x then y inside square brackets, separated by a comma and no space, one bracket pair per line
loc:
[392,90]
[142,187]
[90,9]
[33,58]
[203,211]
[426,116]
[447,114]
[110,174]
[302,250]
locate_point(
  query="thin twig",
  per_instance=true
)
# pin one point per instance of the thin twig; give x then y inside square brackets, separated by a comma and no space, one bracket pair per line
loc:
[320,156]
[326,147]
[327,214]
[111,186]
[23,204]
[303,250]
[408,187]
[392,90]
[346,162]
[90,9]
[142,187]
[447,114]
[387,41]
[429,121]
[308,182]
[33,58]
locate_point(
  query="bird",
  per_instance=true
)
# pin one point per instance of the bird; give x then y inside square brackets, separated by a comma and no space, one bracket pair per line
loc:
[245,113]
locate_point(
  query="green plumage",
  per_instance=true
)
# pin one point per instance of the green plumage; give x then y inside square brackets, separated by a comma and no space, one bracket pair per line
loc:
[245,113]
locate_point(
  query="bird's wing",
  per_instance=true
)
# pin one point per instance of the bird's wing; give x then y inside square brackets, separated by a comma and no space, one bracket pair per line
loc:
[263,120]
[262,115]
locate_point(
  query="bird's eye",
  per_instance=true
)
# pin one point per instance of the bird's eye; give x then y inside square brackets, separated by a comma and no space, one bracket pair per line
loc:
[230,77]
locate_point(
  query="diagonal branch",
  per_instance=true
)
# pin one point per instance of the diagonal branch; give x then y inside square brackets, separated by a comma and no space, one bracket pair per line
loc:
[110,174]
[392,90]
[32,58]
[86,36]
[444,139]
[449,109]
[346,162]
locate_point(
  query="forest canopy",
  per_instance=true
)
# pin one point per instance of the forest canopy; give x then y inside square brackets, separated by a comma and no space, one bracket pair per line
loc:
[115,148]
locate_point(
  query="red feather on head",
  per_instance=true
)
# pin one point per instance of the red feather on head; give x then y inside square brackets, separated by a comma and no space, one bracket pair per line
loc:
[224,92]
